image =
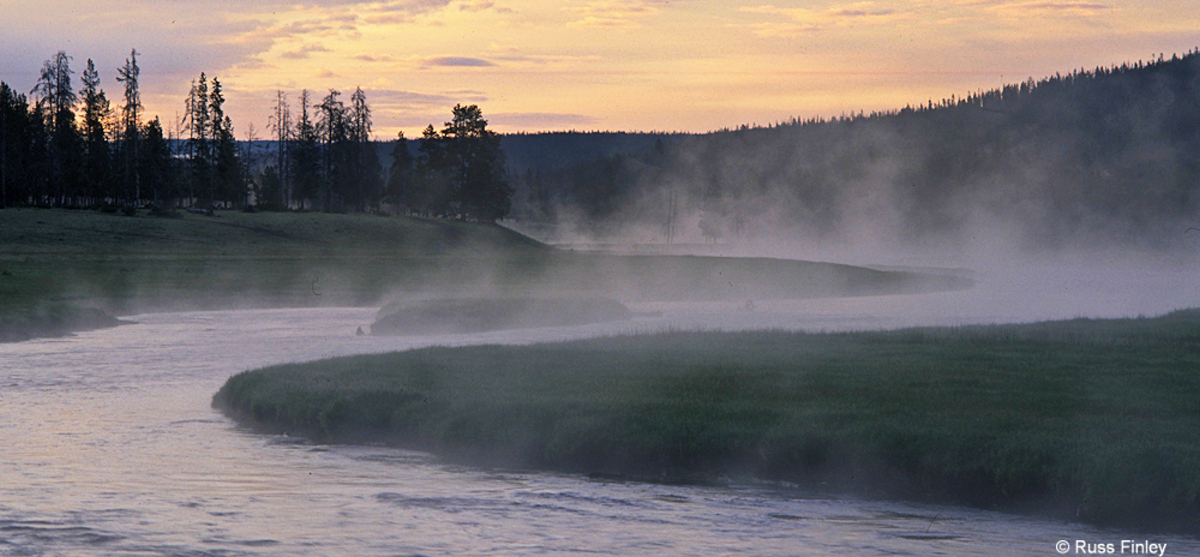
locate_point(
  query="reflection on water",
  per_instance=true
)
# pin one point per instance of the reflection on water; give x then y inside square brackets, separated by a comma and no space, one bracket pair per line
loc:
[108,446]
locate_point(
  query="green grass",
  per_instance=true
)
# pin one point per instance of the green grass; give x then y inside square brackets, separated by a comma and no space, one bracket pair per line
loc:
[128,264]
[1096,420]
[137,263]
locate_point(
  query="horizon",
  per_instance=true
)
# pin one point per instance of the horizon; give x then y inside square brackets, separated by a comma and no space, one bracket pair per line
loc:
[634,66]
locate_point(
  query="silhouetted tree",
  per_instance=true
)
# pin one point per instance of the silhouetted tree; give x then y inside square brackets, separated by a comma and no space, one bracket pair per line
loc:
[19,164]
[478,175]
[131,125]
[199,144]
[432,189]
[229,179]
[97,158]
[281,131]
[364,185]
[333,129]
[270,192]
[156,167]
[56,98]
[400,186]
[304,156]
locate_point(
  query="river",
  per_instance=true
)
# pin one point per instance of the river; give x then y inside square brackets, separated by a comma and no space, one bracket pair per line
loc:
[108,446]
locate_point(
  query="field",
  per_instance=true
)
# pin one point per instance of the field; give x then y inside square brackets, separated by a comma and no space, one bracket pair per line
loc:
[69,263]
[1094,420]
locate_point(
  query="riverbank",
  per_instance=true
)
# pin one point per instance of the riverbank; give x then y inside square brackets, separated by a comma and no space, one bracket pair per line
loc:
[1092,420]
[52,320]
[122,265]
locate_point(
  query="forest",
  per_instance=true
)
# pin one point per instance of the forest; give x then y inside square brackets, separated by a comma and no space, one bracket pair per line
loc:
[1103,156]
[65,148]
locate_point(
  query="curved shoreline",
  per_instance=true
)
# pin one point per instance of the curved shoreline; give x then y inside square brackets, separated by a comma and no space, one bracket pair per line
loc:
[54,321]
[1087,420]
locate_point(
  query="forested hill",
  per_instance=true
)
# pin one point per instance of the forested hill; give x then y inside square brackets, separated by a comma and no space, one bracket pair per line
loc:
[1110,155]
[555,150]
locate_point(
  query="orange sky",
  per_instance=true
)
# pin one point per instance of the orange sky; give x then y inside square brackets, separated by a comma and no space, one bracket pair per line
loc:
[633,65]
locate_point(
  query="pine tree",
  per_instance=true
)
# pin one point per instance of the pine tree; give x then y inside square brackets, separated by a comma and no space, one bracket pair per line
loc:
[18,165]
[229,184]
[479,178]
[131,124]
[96,117]
[304,156]
[156,167]
[56,99]
[364,167]
[333,129]
[400,185]
[199,143]
[281,129]
[432,193]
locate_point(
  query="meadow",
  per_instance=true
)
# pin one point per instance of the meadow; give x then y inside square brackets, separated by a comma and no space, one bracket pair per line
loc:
[1092,420]
[74,263]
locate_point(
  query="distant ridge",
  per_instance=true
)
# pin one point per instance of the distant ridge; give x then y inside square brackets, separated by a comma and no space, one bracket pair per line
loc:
[1086,158]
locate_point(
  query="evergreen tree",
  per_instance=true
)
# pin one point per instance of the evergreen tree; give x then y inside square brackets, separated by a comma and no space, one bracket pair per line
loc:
[432,193]
[199,146]
[156,167]
[18,169]
[229,182]
[400,186]
[270,192]
[365,183]
[304,156]
[56,99]
[281,129]
[478,174]
[333,129]
[131,125]
[96,117]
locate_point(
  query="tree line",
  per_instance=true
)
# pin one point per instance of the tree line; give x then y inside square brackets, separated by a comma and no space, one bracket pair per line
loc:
[1104,156]
[50,155]
[62,147]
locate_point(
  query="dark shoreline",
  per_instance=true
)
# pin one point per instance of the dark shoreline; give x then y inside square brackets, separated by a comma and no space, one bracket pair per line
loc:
[55,321]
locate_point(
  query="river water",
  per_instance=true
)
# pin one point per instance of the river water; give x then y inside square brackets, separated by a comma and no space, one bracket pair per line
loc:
[108,446]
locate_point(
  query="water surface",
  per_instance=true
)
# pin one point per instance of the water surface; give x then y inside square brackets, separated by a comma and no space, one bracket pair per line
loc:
[108,446]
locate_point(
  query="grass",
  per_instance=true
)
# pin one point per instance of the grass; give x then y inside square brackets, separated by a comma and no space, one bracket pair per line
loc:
[128,264]
[1095,420]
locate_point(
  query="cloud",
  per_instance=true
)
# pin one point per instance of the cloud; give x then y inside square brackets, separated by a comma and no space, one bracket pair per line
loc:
[1063,7]
[304,51]
[482,6]
[317,26]
[457,62]
[396,100]
[861,12]
[372,58]
[611,15]
[541,120]
[795,21]
[1069,7]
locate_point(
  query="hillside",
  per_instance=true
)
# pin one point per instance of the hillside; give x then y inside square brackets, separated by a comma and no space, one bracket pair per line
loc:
[1091,158]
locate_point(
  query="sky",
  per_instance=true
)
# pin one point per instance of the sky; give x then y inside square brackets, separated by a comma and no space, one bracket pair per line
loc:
[611,65]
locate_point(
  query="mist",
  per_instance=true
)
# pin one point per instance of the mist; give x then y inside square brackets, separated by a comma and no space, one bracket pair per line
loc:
[1072,196]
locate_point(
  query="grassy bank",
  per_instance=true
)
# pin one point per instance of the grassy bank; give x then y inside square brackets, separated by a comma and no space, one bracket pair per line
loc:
[1095,420]
[121,264]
